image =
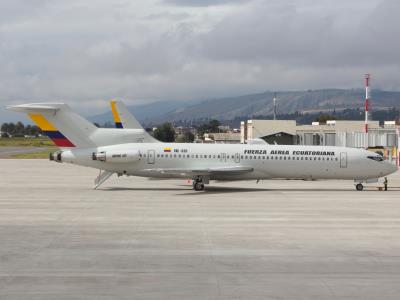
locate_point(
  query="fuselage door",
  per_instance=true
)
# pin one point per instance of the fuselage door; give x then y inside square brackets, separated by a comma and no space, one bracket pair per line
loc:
[150,156]
[237,158]
[343,159]
[223,157]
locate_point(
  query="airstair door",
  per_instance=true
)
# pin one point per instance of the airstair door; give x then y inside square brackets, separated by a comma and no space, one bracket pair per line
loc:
[343,159]
[150,156]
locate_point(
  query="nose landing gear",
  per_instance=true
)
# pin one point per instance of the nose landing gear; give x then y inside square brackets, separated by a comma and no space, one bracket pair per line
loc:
[198,186]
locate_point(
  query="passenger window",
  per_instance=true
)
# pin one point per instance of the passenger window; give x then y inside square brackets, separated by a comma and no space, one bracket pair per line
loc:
[197,156]
[209,156]
[241,156]
[219,156]
[280,157]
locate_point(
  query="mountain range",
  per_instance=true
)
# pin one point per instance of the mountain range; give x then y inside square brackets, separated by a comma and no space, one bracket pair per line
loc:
[257,104]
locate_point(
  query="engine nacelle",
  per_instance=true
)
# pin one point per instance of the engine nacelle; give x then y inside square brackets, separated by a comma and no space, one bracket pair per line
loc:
[117,156]
[62,156]
[56,156]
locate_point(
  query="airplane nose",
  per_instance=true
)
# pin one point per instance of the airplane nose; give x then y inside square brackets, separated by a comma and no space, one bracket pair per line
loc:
[390,168]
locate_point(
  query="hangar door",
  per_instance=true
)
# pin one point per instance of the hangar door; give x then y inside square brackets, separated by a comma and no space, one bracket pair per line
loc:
[343,159]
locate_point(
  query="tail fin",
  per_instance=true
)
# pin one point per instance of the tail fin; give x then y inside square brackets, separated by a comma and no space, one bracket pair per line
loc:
[63,126]
[124,119]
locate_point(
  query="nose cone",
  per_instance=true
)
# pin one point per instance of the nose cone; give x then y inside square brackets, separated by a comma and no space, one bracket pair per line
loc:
[389,168]
[393,168]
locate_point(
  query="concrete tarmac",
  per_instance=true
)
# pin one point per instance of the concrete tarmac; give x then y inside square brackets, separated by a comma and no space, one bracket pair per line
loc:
[149,239]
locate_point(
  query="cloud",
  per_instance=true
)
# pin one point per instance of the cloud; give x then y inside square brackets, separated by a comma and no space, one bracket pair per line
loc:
[204,2]
[84,52]
[296,36]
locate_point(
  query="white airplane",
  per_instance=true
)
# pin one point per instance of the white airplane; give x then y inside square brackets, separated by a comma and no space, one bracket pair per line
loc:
[134,152]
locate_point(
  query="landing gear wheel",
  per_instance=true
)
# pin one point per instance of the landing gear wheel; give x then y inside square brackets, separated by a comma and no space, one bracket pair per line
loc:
[198,186]
[359,187]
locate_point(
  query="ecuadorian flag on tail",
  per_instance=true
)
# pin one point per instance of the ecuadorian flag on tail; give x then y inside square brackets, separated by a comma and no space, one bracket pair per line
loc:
[167,149]
[117,119]
[56,136]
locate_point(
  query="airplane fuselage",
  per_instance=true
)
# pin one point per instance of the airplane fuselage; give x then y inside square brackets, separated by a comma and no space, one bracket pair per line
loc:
[267,161]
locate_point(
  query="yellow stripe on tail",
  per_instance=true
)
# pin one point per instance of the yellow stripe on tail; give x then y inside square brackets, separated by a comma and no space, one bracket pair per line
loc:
[42,123]
[115,112]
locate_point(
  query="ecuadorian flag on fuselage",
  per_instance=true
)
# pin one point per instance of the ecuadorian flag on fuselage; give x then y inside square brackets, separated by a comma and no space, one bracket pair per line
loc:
[56,136]
[117,119]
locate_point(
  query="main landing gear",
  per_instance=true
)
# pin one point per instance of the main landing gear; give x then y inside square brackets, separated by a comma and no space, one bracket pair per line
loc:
[198,184]
[359,187]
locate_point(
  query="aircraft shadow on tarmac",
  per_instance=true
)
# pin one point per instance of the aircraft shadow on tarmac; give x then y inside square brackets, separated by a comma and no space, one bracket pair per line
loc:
[222,190]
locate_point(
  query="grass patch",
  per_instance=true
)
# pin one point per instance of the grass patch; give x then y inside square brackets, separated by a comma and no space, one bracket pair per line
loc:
[26,142]
[34,155]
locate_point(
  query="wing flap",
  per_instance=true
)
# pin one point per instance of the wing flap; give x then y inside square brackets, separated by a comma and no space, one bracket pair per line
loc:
[201,171]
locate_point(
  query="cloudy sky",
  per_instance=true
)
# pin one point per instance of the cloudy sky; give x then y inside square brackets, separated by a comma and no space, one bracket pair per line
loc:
[85,52]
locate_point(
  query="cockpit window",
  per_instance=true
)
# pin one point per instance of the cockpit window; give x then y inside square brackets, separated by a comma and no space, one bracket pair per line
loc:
[376,157]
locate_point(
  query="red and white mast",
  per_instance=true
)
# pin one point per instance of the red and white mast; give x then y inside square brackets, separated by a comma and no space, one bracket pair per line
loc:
[367,94]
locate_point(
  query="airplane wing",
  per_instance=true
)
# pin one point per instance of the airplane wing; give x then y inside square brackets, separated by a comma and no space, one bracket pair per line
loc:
[257,141]
[201,171]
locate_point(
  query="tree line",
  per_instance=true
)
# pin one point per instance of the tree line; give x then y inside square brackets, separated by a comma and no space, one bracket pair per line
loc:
[19,130]
[166,132]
